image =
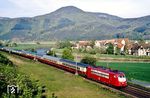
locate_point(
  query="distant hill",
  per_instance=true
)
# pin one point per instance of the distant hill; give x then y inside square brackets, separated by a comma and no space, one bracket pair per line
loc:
[75,24]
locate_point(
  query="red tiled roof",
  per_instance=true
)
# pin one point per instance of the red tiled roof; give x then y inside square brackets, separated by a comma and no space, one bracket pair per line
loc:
[113,41]
[84,43]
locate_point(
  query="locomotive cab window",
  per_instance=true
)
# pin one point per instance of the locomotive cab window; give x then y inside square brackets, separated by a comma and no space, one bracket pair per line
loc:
[121,76]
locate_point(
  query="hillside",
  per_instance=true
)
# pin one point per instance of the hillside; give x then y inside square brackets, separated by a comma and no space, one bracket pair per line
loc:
[73,23]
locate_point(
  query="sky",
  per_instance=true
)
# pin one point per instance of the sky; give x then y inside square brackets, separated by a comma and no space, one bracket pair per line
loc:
[31,8]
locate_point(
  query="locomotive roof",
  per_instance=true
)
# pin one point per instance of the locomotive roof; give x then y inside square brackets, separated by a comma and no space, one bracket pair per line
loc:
[74,63]
[106,69]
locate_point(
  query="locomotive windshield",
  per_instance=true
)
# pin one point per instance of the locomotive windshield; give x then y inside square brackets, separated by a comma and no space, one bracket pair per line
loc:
[121,78]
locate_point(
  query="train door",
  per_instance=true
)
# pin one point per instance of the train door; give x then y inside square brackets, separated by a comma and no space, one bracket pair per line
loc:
[88,72]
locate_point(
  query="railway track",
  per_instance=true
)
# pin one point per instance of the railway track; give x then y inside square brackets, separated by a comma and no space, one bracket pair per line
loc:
[129,91]
[139,93]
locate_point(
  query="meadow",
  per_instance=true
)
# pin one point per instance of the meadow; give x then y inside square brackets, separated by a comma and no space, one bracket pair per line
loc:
[139,71]
[63,84]
[35,45]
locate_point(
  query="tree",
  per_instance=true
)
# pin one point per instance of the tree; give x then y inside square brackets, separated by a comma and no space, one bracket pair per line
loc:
[89,60]
[1,43]
[67,54]
[64,44]
[101,50]
[33,50]
[52,53]
[5,60]
[14,44]
[110,49]
[7,43]
[38,43]
[92,44]
[9,74]
[92,51]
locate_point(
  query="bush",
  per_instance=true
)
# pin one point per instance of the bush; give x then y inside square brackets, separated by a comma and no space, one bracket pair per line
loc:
[14,44]
[89,60]
[110,49]
[33,50]
[5,60]
[10,76]
[51,53]
[67,54]
[64,44]
[92,51]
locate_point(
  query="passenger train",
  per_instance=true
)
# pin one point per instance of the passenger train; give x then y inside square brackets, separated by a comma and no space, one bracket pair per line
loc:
[100,74]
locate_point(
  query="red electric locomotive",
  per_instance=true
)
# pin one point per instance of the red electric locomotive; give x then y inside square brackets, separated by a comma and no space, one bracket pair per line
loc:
[107,76]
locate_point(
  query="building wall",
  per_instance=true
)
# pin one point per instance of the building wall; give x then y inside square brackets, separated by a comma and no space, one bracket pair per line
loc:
[141,52]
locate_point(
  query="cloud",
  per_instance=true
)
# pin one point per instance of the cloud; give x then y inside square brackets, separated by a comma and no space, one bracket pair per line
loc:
[123,8]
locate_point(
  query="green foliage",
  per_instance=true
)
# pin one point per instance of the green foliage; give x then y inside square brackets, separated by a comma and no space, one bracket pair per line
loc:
[82,50]
[89,60]
[5,60]
[8,43]
[64,44]
[95,50]
[67,54]
[33,50]
[52,53]
[101,50]
[1,43]
[92,44]
[38,43]
[7,76]
[14,45]
[117,51]
[53,95]
[10,76]
[91,51]
[110,49]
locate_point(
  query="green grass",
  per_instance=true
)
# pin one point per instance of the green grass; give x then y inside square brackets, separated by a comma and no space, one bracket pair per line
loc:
[30,45]
[122,56]
[63,84]
[139,71]
[117,56]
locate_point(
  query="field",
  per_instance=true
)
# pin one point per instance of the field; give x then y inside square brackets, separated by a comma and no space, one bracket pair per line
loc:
[139,71]
[30,45]
[63,84]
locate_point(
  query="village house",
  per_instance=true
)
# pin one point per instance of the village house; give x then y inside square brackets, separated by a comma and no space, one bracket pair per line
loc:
[140,49]
[120,44]
[82,44]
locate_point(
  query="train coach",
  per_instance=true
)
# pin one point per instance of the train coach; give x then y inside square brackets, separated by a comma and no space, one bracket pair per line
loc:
[100,74]
[68,65]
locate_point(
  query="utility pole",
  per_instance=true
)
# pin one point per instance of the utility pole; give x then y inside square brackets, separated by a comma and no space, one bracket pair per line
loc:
[76,73]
